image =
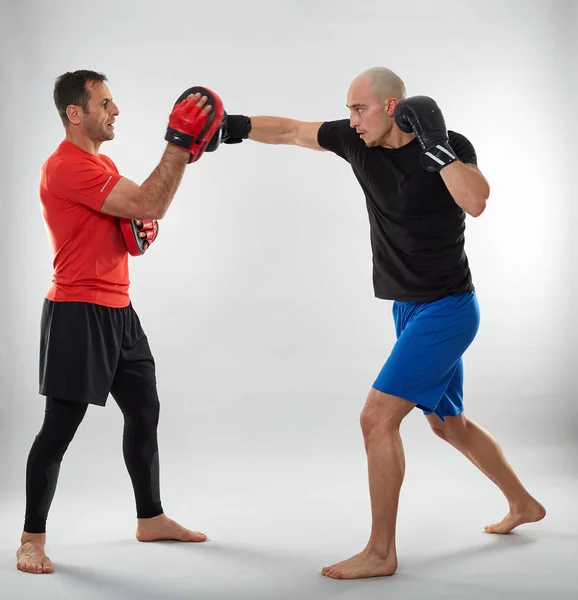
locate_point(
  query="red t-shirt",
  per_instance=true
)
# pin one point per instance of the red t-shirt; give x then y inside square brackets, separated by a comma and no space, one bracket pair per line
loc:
[90,256]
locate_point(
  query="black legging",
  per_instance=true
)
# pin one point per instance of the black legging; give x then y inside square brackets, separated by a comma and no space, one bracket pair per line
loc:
[140,449]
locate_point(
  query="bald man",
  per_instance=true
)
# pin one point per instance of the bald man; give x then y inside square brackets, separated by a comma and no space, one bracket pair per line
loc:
[419,181]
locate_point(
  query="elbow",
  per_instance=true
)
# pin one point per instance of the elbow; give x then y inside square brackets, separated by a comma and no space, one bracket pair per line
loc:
[154,214]
[148,210]
[478,203]
[476,212]
[158,214]
[477,207]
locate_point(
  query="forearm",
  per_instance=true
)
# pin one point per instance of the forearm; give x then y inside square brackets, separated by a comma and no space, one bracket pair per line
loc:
[273,130]
[159,189]
[468,187]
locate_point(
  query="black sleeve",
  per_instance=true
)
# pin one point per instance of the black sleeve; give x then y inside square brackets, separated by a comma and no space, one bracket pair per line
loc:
[337,137]
[463,148]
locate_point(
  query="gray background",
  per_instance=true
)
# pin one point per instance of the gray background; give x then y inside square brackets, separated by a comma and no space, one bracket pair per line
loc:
[258,303]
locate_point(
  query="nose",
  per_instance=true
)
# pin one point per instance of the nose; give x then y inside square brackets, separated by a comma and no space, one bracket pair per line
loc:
[115,110]
[353,120]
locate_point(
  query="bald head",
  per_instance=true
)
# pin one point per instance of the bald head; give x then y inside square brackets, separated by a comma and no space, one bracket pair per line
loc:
[371,99]
[384,83]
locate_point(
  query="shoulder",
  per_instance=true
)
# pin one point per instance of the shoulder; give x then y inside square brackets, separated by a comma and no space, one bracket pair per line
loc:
[335,129]
[455,136]
[338,136]
[66,157]
[463,147]
[108,162]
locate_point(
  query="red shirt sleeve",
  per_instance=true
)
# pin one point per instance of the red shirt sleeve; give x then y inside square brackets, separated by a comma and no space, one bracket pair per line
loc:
[83,179]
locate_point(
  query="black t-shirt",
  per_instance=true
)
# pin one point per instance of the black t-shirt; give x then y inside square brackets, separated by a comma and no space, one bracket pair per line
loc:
[416,227]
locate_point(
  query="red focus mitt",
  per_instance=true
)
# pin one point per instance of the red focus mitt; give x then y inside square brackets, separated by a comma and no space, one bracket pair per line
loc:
[189,127]
[131,228]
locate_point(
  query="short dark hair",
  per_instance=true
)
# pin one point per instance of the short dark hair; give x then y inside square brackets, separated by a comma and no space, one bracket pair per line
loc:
[70,88]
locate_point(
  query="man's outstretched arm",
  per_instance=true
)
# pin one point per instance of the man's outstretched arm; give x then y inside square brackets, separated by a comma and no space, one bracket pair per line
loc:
[272,130]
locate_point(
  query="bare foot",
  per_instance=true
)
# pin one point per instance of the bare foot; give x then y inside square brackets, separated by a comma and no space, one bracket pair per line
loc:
[162,528]
[528,513]
[364,564]
[31,555]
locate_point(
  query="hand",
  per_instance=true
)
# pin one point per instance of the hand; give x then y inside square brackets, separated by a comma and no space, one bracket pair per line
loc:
[422,116]
[139,234]
[193,123]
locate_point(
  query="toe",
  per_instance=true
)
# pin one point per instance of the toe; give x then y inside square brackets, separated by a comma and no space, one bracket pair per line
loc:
[194,536]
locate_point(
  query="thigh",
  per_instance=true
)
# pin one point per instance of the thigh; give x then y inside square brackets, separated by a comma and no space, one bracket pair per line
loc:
[427,354]
[79,350]
[451,403]
[134,387]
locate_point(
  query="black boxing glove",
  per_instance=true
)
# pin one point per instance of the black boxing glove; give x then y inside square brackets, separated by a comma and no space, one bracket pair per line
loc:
[422,116]
[236,128]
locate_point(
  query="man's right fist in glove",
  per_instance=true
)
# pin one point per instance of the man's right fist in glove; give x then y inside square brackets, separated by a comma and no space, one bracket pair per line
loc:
[196,117]
[236,128]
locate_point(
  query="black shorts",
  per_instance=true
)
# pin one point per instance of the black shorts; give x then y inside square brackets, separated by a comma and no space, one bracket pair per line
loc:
[88,350]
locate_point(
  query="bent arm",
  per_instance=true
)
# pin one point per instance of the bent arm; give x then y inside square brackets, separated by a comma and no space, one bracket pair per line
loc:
[468,186]
[151,199]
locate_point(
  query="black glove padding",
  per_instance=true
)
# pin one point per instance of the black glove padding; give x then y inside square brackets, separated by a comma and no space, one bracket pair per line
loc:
[236,128]
[422,116]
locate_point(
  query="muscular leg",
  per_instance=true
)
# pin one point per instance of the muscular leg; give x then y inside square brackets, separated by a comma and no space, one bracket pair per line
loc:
[61,420]
[380,422]
[480,447]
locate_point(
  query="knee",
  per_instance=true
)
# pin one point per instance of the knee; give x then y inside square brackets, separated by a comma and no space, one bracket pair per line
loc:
[439,430]
[150,413]
[453,430]
[375,417]
[61,420]
[145,416]
[367,421]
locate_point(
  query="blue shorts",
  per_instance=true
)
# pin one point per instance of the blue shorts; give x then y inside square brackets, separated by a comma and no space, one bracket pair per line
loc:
[425,365]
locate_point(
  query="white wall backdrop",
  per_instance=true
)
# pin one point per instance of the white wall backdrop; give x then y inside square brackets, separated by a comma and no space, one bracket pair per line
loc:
[257,296]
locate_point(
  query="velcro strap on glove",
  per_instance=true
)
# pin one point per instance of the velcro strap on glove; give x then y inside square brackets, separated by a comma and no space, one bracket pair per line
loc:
[438,156]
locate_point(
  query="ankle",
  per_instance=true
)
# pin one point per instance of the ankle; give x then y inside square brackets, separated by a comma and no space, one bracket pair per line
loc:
[521,504]
[380,551]
[34,538]
[156,521]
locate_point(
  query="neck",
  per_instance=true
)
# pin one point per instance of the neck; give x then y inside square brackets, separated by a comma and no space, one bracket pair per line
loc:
[396,138]
[83,142]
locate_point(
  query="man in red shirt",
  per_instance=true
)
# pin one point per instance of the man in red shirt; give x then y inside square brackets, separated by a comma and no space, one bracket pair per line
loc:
[92,342]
